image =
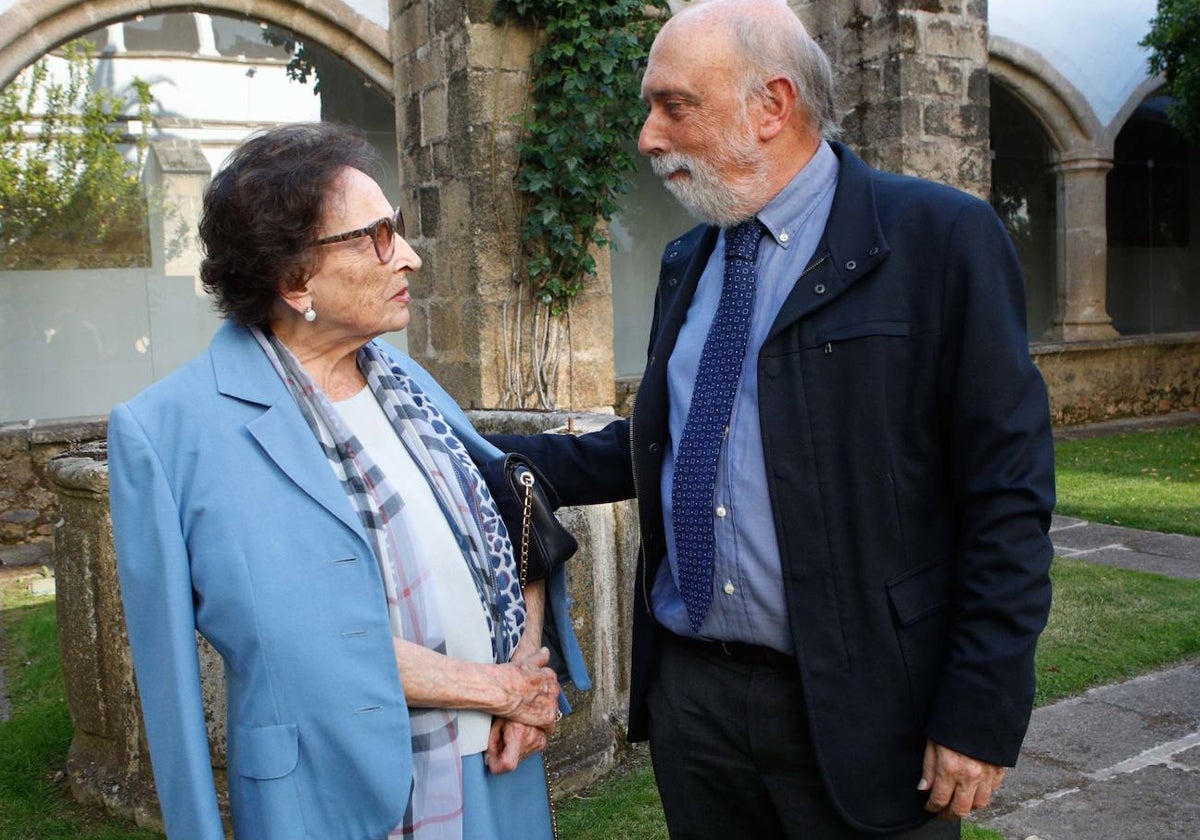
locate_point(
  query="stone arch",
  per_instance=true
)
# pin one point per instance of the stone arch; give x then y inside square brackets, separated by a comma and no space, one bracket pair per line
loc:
[1084,150]
[32,28]
[1064,113]
[1141,93]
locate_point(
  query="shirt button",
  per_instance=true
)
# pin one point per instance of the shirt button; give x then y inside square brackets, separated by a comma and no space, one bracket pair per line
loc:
[721,511]
[783,236]
[728,587]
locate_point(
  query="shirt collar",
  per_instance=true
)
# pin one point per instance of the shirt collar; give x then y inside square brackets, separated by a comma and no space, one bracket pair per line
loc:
[787,212]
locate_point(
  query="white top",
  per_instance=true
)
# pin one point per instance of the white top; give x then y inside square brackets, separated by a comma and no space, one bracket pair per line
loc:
[460,612]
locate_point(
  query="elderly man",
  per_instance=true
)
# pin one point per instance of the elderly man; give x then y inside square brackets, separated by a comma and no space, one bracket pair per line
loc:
[843,460]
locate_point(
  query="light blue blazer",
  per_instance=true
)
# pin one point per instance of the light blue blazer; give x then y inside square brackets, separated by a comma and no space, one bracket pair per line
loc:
[228,520]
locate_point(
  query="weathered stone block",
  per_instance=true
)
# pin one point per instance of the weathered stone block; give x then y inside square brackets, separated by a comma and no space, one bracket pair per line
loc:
[504,47]
[954,38]
[434,114]
[448,15]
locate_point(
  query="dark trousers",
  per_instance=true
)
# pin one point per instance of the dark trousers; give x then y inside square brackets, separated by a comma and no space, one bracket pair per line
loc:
[732,753]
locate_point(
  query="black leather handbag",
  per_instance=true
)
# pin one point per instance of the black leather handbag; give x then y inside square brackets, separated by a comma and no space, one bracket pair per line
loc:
[527,501]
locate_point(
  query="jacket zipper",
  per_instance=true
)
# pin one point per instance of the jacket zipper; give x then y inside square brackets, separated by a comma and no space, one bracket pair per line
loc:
[812,266]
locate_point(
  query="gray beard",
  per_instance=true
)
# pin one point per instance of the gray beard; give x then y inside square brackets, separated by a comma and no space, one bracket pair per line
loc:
[705,195]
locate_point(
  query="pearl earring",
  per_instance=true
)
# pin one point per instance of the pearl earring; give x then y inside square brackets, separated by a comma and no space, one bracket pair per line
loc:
[310,314]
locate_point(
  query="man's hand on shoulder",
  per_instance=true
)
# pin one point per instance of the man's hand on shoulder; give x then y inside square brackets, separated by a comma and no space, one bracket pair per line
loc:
[957,783]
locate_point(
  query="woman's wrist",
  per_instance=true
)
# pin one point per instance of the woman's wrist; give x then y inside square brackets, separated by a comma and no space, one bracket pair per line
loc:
[535,614]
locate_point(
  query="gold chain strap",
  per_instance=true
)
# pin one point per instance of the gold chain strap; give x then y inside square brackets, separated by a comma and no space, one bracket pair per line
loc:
[550,798]
[526,515]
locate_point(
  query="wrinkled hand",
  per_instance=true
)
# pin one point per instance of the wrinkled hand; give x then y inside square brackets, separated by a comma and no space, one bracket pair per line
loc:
[510,743]
[957,783]
[531,692]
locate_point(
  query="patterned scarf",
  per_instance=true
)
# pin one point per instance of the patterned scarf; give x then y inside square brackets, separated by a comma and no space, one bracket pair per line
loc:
[435,806]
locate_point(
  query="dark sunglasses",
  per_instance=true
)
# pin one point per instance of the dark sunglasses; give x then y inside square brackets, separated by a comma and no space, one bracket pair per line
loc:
[383,235]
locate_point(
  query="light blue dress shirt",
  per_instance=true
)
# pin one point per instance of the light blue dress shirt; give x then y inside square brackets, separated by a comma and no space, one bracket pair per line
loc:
[748,600]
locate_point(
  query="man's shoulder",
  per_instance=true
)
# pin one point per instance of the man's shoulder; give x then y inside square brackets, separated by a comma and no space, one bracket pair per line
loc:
[908,190]
[895,192]
[908,206]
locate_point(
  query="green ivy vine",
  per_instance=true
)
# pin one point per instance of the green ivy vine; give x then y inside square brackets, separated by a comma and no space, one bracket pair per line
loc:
[574,157]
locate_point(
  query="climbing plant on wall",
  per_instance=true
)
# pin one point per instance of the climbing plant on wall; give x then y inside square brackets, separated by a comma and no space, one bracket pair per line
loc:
[574,155]
[574,163]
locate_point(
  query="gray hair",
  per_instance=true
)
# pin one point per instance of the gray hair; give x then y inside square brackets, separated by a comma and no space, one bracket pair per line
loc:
[768,51]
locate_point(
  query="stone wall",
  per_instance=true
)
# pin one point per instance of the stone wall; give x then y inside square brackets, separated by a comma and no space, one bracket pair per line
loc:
[461,87]
[912,83]
[28,505]
[1092,381]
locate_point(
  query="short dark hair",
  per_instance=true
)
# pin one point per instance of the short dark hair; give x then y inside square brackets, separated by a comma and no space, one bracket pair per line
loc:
[262,210]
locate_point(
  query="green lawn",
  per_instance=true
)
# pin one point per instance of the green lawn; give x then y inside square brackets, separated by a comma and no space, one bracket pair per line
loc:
[34,801]
[1106,625]
[1148,480]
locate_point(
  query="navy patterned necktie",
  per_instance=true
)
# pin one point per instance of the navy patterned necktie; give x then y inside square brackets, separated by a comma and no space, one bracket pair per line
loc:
[708,419]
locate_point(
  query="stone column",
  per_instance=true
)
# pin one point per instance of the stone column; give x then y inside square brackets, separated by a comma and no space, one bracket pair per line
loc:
[461,90]
[107,762]
[912,83]
[1081,312]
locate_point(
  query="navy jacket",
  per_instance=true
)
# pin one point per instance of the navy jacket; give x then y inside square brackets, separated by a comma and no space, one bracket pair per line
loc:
[909,459]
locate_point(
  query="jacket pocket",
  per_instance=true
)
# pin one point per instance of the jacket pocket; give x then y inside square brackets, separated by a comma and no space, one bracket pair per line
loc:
[920,592]
[862,329]
[921,603]
[265,752]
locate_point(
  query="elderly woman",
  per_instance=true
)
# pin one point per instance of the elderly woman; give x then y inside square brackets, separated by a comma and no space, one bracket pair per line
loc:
[300,501]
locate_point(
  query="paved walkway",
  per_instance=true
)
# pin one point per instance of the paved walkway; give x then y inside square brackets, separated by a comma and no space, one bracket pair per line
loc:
[1120,762]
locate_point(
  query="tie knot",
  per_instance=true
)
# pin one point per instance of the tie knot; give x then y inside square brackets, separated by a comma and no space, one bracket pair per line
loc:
[741,240]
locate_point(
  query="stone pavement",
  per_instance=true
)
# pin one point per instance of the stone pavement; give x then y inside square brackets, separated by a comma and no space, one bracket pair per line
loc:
[1120,762]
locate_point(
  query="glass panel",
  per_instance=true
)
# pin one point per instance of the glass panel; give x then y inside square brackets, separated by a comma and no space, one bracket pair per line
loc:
[239,37]
[74,338]
[1153,263]
[1023,194]
[649,218]
[162,33]
[71,342]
